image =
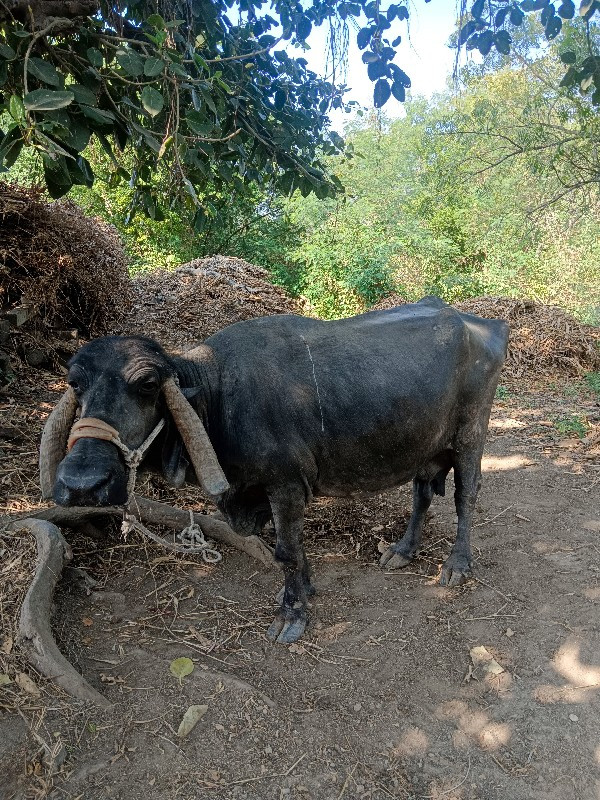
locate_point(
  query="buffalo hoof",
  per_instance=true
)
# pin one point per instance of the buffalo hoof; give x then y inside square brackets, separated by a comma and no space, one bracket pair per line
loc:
[455,571]
[391,559]
[286,629]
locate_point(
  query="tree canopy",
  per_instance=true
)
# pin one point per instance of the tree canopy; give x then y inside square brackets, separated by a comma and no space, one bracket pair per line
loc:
[206,93]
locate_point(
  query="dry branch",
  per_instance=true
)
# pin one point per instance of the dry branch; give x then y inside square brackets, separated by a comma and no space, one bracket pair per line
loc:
[35,634]
[151,512]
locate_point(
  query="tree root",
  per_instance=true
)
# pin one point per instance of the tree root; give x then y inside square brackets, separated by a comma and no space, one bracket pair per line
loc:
[35,634]
[151,512]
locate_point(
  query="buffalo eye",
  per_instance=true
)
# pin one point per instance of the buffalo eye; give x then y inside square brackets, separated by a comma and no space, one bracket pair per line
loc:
[74,384]
[148,387]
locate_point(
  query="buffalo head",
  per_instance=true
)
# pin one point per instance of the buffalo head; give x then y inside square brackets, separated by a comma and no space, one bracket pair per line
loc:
[121,386]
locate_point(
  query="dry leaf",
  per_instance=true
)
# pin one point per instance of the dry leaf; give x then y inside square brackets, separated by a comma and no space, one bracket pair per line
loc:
[87,621]
[25,683]
[484,661]
[4,679]
[191,717]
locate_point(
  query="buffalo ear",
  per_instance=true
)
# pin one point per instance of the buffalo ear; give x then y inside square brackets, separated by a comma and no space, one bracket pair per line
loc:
[174,457]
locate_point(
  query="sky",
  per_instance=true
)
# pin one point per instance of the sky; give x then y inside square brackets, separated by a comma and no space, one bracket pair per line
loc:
[422,54]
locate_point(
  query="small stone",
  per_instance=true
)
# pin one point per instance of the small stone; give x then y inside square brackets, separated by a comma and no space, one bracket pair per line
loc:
[573,717]
[268,749]
[357,706]
[509,632]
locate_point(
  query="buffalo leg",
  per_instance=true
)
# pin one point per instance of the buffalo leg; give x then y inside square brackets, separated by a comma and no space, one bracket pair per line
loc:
[404,550]
[467,481]
[288,517]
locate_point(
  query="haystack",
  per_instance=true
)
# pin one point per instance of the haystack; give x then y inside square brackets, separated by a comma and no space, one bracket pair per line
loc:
[545,341]
[60,268]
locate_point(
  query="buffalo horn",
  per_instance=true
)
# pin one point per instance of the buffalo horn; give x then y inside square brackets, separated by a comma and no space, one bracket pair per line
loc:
[196,441]
[53,446]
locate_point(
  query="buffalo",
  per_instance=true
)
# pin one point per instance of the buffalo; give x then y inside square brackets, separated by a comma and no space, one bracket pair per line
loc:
[270,412]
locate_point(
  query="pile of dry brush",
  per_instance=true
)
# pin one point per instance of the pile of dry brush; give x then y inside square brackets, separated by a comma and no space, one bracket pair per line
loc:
[184,307]
[68,269]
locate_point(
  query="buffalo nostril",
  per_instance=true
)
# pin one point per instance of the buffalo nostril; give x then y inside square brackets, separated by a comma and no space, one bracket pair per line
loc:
[89,487]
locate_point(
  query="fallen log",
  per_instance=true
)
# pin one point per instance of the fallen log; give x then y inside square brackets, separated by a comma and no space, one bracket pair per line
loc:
[152,512]
[35,633]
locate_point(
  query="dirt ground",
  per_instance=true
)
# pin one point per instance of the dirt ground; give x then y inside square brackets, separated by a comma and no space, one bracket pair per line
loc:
[380,699]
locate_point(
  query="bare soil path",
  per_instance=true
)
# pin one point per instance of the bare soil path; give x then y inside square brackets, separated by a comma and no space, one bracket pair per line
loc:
[378,701]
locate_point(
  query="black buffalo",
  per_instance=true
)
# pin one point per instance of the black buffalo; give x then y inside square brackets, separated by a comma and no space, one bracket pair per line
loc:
[293,408]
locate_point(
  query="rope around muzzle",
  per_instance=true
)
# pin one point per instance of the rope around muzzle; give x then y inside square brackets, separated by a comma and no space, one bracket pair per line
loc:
[191,537]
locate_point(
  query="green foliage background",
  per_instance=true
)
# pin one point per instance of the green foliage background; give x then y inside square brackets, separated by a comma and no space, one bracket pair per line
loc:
[489,190]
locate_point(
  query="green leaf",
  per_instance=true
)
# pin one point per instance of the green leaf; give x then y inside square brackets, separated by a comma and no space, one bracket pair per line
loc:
[46,100]
[10,147]
[177,69]
[181,667]
[7,52]
[516,16]
[79,134]
[502,41]
[152,100]
[153,67]
[198,123]
[398,91]
[303,28]
[567,9]
[190,190]
[569,77]
[95,57]
[279,99]
[56,174]
[553,28]
[43,71]
[98,115]
[477,8]
[81,172]
[381,93]
[466,31]
[83,94]
[16,108]
[568,57]
[51,146]
[130,62]
[485,42]
[156,21]
[376,69]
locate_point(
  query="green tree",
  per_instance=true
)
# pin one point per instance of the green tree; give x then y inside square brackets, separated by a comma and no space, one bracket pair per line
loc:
[203,89]
[495,25]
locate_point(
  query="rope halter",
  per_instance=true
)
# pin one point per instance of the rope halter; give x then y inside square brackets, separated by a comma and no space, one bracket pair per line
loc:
[191,537]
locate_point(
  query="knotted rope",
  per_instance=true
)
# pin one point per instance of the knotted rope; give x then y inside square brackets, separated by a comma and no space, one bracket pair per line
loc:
[191,537]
